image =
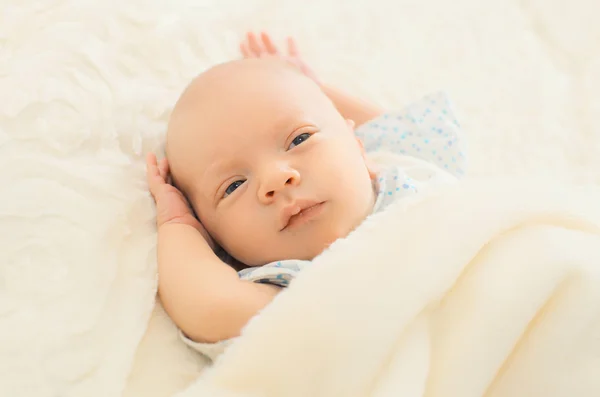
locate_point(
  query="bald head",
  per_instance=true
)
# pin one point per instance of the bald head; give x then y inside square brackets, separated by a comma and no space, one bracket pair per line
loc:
[228,78]
[249,138]
[224,85]
[229,97]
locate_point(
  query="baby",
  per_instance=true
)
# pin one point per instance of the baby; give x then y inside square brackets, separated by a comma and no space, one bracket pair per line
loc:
[266,168]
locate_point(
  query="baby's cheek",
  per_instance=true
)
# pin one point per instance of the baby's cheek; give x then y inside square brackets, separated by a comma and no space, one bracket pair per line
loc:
[214,226]
[238,233]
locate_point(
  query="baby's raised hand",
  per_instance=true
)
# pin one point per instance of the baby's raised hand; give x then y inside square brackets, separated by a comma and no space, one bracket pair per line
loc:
[171,204]
[255,47]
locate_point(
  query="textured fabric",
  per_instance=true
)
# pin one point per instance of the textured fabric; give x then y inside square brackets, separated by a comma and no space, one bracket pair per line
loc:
[484,288]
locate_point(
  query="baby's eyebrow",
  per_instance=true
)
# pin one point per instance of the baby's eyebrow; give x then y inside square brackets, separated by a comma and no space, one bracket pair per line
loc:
[285,121]
[214,172]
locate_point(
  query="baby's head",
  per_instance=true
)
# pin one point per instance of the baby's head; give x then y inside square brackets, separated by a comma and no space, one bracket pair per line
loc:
[253,142]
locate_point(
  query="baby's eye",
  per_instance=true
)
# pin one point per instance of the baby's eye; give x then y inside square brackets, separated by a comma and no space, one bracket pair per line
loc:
[231,188]
[299,139]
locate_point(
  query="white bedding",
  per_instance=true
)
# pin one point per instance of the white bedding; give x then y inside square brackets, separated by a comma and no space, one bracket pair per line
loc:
[86,88]
[487,288]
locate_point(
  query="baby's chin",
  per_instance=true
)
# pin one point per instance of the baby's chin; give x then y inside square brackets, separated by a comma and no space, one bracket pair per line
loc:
[305,251]
[307,244]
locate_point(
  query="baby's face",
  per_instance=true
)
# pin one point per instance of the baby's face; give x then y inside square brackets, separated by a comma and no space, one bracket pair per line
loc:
[271,168]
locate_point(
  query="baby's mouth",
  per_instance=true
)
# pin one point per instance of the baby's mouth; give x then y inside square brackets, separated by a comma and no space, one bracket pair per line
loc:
[304,215]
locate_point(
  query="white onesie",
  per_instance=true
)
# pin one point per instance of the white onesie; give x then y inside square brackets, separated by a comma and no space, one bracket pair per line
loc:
[429,150]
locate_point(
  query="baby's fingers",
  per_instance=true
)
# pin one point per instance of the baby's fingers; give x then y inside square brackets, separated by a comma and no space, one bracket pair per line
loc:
[153,176]
[254,45]
[245,50]
[151,166]
[163,169]
[292,47]
[268,43]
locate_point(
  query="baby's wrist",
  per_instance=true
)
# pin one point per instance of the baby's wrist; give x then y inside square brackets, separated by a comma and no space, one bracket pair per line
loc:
[181,220]
[190,220]
[311,75]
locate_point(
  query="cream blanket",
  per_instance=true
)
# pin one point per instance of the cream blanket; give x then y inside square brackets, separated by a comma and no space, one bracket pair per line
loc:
[482,289]
[86,87]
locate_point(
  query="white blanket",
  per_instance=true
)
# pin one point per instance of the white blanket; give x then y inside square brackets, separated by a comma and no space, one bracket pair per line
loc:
[483,289]
[86,87]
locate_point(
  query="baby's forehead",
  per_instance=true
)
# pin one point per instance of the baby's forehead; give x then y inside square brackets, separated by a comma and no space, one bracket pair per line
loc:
[231,136]
[258,115]
[216,116]
[236,140]
[248,92]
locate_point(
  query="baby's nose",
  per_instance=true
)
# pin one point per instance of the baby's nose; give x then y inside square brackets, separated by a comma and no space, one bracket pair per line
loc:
[279,178]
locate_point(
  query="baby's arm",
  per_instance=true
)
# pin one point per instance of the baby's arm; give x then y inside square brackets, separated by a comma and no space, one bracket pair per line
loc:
[203,296]
[352,108]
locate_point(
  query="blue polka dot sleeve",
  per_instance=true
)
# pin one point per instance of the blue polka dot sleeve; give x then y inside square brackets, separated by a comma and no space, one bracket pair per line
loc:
[426,129]
[278,273]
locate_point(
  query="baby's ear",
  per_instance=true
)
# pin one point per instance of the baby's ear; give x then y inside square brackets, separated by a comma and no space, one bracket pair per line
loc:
[371,166]
[350,123]
[361,145]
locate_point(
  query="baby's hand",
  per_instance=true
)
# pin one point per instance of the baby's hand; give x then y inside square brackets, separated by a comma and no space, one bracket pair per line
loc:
[252,47]
[171,205]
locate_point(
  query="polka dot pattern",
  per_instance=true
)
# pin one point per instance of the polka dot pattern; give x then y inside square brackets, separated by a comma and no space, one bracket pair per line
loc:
[278,273]
[426,129]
